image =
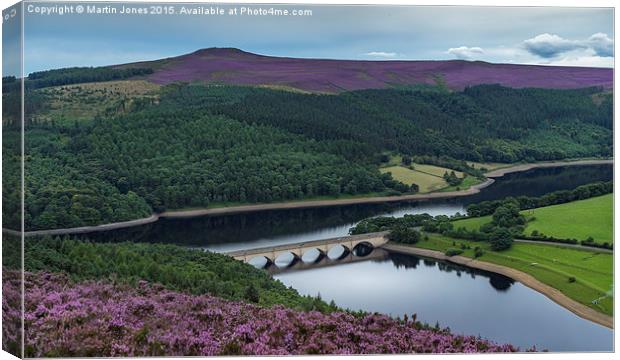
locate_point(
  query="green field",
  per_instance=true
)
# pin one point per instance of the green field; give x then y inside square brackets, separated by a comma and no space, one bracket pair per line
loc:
[426,182]
[427,177]
[550,264]
[472,223]
[468,181]
[435,170]
[575,220]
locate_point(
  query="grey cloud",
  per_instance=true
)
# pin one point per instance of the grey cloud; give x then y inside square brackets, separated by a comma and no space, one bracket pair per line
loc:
[550,45]
[602,44]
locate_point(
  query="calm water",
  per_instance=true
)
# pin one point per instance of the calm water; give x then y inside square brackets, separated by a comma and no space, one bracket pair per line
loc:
[468,301]
[236,232]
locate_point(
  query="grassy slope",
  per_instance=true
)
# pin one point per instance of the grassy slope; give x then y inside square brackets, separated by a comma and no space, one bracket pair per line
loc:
[472,223]
[426,182]
[580,219]
[468,181]
[550,264]
[435,170]
[82,102]
[574,220]
[427,177]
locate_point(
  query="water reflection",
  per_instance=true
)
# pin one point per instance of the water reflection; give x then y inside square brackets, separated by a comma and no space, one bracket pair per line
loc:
[363,249]
[467,300]
[268,228]
[500,283]
[405,261]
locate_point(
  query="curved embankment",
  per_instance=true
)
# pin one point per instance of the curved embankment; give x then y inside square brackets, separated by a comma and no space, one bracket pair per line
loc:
[526,279]
[524,167]
[323,203]
[87,229]
[474,189]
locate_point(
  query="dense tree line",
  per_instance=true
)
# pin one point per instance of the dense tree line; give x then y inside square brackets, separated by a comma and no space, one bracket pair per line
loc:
[404,234]
[175,267]
[74,75]
[528,106]
[546,124]
[402,230]
[8,79]
[199,146]
[506,224]
[557,197]
[386,223]
[169,157]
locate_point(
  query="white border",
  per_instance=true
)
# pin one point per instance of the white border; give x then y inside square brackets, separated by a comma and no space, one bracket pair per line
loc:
[502,3]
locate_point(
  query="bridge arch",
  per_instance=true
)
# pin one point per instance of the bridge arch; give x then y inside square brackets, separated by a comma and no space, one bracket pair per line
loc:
[362,248]
[286,259]
[311,256]
[338,251]
[334,249]
[260,261]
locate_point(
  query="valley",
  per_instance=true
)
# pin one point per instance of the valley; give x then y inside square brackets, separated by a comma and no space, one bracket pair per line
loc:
[141,177]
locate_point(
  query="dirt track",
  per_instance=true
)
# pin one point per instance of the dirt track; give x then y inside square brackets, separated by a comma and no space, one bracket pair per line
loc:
[526,279]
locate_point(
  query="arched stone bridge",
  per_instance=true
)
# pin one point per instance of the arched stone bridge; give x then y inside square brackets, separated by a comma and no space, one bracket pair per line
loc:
[324,261]
[298,250]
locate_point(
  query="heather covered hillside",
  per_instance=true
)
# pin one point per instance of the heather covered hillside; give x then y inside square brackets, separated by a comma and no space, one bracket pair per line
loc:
[237,67]
[103,319]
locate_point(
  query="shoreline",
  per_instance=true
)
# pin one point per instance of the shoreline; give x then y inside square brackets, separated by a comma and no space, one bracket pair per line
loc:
[525,167]
[526,279]
[87,229]
[306,204]
[303,204]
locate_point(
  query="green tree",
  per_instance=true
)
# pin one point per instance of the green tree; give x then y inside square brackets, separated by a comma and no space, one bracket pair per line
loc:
[404,234]
[507,215]
[501,239]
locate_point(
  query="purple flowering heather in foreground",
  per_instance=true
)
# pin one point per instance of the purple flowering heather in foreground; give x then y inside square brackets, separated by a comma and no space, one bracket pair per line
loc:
[103,319]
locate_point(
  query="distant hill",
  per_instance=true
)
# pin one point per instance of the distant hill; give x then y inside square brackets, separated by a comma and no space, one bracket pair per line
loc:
[237,67]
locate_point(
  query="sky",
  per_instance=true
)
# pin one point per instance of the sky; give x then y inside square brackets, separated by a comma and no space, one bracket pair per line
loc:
[535,35]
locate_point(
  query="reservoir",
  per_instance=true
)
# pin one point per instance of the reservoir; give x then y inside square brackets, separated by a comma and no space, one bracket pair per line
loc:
[273,227]
[467,301]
